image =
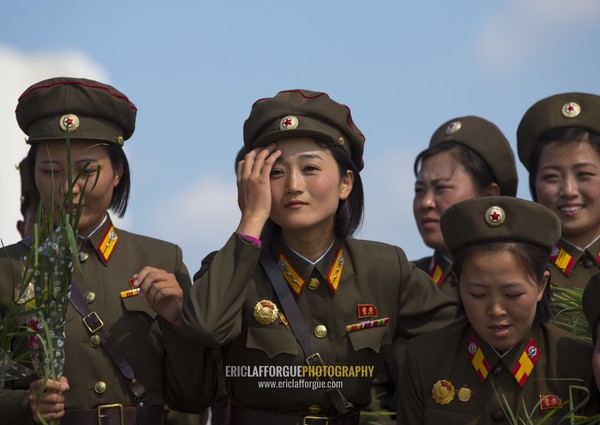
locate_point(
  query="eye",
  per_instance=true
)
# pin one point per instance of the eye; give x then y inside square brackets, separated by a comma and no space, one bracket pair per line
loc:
[276,172]
[477,295]
[49,172]
[513,296]
[550,178]
[311,169]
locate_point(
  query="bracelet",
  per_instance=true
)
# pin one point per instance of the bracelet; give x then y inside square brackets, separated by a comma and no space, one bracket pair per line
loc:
[252,239]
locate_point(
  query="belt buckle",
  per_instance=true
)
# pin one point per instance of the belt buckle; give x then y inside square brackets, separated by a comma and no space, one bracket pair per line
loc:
[318,356]
[315,418]
[93,314]
[102,407]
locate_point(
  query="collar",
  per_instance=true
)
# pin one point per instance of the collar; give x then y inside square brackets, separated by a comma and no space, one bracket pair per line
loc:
[565,254]
[103,240]
[297,270]
[519,360]
[439,267]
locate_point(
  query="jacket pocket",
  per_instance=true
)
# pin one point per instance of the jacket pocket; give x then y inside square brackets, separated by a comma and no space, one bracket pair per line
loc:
[138,305]
[373,338]
[272,342]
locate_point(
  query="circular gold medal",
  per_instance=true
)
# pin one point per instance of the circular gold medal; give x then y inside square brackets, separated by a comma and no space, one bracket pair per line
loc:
[443,392]
[265,312]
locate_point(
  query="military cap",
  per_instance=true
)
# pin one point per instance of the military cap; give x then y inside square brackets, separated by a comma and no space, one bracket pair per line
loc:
[561,110]
[303,113]
[499,218]
[485,138]
[591,302]
[86,109]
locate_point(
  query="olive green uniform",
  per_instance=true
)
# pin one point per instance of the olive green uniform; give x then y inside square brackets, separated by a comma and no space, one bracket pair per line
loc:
[445,357]
[173,370]
[439,268]
[220,311]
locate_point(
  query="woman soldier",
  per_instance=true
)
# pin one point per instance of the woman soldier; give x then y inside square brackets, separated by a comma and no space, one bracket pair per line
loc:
[558,141]
[504,359]
[467,157]
[124,358]
[291,297]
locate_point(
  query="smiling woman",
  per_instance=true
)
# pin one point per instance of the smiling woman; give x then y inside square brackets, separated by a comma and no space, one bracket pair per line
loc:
[559,143]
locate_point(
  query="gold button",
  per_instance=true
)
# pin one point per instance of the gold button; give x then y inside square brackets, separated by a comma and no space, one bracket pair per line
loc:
[315,408]
[83,256]
[90,296]
[320,331]
[100,387]
[313,283]
[95,340]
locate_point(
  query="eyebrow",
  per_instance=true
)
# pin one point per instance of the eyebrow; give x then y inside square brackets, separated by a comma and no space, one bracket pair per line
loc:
[303,156]
[79,161]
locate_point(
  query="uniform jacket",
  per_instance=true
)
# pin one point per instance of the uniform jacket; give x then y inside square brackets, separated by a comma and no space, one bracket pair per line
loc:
[220,311]
[439,269]
[443,357]
[172,369]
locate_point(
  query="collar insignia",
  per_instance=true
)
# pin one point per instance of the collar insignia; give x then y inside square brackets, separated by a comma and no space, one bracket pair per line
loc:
[482,367]
[526,362]
[292,277]
[109,241]
[562,259]
[436,273]
[335,272]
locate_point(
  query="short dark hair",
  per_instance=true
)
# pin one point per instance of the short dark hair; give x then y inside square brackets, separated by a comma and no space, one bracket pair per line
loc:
[118,160]
[349,214]
[473,163]
[562,135]
[532,258]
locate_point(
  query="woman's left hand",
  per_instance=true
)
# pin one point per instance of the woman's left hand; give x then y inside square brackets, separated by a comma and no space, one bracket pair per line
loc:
[162,292]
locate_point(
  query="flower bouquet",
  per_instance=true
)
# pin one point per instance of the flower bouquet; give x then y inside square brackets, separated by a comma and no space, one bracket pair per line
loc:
[47,276]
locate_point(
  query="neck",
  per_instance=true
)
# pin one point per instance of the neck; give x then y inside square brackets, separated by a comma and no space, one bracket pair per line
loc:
[309,244]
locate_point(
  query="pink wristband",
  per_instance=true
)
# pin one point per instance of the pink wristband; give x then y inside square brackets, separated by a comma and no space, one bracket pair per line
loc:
[251,239]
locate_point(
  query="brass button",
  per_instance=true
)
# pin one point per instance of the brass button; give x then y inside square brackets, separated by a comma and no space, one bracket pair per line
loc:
[83,256]
[90,296]
[498,416]
[95,340]
[588,263]
[320,331]
[100,387]
[313,283]
[315,408]
[497,371]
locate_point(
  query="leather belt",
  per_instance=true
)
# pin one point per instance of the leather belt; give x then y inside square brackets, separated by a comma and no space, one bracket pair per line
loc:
[240,415]
[113,414]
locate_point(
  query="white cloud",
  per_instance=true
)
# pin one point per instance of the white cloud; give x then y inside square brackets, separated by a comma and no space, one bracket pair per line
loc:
[20,70]
[526,28]
[200,217]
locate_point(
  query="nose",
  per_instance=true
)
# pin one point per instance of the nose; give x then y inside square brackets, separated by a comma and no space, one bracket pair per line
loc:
[427,200]
[495,308]
[568,187]
[294,182]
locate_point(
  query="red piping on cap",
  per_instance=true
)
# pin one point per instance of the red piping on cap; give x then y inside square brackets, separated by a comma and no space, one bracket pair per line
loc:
[120,96]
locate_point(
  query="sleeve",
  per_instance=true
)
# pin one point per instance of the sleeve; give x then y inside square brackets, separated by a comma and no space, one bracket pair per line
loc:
[14,405]
[410,404]
[213,312]
[190,371]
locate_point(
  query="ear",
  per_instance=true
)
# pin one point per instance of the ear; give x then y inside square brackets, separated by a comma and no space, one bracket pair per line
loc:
[492,190]
[21,228]
[346,184]
[542,285]
[118,173]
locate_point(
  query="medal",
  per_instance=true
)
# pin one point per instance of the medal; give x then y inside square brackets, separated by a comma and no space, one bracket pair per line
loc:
[265,312]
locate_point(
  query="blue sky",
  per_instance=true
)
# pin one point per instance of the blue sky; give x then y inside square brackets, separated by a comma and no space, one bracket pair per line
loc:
[194,68]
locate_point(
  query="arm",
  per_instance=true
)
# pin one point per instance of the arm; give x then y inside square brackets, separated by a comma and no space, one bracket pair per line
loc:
[410,404]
